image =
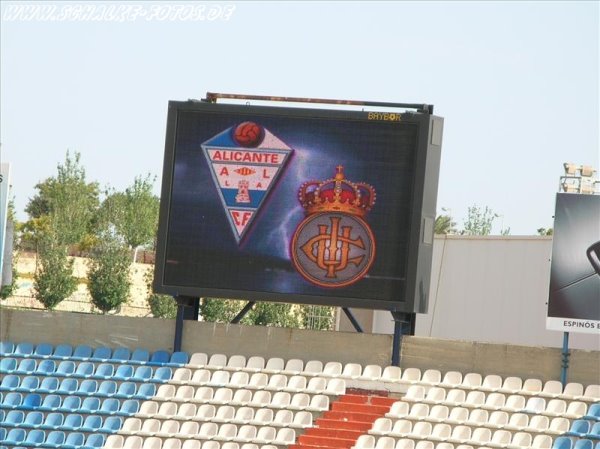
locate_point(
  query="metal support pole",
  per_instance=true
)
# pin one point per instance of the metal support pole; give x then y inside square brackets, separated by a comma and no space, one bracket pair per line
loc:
[178,328]
[187,309]
[352,319]
[565,359]
[404,324]
[243,312]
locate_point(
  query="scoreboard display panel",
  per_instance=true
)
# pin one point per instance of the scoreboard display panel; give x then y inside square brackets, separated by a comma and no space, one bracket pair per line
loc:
[298,205]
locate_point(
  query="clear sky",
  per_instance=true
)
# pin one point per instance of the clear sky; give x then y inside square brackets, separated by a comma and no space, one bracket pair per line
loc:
[517,84]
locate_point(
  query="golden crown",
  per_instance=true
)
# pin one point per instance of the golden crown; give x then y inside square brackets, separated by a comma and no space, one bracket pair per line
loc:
[337,195]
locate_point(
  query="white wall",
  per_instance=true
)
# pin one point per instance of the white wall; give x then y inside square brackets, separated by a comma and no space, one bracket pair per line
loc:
[490,289]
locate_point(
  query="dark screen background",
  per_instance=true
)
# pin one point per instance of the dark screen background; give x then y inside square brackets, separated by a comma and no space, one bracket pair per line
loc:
[201,250]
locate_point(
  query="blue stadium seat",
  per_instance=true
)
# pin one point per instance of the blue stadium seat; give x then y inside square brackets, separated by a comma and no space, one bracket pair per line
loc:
[124,372]
[93,441]
[107,388]
[15,437]
[126,390]
[145,391]
[10,382]
[562,443]
[34,438]
[65,368]
[121,355]
[46,368]
[68,386]
[140,357]
[23,350]
[28,384]
[51,402]
[129,407]
[43,350]
[6,348]
[91,424]
[82,352]
[2,415]
[14,418]
[142,374]
[8,365]
[583,443]
[49,385]
[594,432]
[74,440]
[87,387]
[179,358]
[2,434]
[579,428]
[109,406]
[593,412]
[90,405]
[31,402]
[160,357]
[26,366]
[12,400]
[111,424]
[162,374]
[62,352]
[55,439]
[101,354]
[33,420]
[72,422]
[53,421]
[70,404]
[84,369]
[104,371]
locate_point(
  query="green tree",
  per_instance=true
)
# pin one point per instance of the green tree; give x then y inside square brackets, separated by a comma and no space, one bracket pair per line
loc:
[317,317]
[68,199]
[262,314]
[444,224]
[109,273]
[53,277]
[479,221]
[544,231]
[161,306]
[134,213]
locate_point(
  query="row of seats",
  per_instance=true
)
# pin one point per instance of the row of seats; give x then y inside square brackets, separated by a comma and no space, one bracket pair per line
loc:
[99,354]
[88,387]
[479,436]
[479,417]
[387,442]
[62,421]
[584,428]
[75,404]
[137,442]
[223,414]
[242,397]
[53,439]
[572,443]
[242,379]
[86,370]
[496,401]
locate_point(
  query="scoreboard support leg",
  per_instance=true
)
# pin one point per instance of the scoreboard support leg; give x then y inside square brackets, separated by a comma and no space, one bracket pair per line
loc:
[187,309]
[243,312]
[352,319]
[404,324]
[565,359]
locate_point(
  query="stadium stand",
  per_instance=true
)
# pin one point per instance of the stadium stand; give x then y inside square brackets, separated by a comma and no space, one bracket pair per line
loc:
[84,397]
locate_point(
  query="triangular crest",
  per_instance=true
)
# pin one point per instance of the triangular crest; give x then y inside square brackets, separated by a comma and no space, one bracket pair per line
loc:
[245,162]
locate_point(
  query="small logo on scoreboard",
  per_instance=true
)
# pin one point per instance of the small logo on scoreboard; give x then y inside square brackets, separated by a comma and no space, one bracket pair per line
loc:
[245,162]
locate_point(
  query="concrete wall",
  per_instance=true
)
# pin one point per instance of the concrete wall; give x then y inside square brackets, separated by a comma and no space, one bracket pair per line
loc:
[154,334]
[490,289]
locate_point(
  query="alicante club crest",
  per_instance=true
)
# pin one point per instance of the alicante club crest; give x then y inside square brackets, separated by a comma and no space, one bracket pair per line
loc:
[334,246]
[245,162]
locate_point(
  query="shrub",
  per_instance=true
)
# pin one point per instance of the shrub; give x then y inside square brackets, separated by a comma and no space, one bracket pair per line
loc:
[53,278]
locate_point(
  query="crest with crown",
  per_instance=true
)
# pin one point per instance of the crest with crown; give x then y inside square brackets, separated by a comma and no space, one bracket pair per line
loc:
[337,194]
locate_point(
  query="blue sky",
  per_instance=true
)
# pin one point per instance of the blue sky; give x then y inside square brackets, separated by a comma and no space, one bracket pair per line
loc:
[517,84]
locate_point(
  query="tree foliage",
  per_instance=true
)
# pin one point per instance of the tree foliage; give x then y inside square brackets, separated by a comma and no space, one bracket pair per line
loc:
[109,273]
[133,213]
[544,231]
[161,306]
[479,221]
[444,224]
[68,199]
[53,278]
[262,314]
